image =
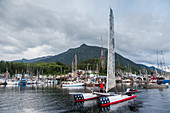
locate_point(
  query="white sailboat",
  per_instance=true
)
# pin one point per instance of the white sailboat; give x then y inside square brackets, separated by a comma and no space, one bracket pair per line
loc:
[107,98]
[76,83]
[111,81]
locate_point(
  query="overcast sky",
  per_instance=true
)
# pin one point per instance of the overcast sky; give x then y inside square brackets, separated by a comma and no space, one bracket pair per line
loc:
[35,28]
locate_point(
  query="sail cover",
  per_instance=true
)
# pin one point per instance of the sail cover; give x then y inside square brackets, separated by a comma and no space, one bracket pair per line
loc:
[111,82]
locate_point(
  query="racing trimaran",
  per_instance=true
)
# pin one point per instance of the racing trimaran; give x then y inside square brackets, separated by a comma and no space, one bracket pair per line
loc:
[107,98]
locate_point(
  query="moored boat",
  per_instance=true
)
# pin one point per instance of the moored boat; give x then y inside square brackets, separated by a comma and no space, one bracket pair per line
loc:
[154,86]
[39,82]
[23,81]
[12,82]
[71,84]
[2,81]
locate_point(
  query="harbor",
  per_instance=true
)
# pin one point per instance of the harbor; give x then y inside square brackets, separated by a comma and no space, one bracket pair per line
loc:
[47,67]
[51,98]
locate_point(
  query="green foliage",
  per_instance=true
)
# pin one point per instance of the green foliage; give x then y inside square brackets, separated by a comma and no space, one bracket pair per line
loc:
[33,68]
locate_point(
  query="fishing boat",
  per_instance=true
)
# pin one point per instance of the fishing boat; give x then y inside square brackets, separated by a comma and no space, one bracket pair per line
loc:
[2,81]
[23,81]
[12,82]
[107,98]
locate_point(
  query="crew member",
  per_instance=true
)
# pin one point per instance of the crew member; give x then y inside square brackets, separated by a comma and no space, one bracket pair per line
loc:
[101,87]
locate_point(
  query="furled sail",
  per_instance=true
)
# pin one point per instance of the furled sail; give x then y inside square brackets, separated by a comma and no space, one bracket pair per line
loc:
[111,82]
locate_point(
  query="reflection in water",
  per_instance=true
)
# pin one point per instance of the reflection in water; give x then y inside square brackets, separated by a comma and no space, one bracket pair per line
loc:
[22,87]
[2,86]
[128,106]
[105,109]
[135,105]
[79,105]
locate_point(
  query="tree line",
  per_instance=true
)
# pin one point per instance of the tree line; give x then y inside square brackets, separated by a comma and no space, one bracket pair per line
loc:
[58,68]
[33,68]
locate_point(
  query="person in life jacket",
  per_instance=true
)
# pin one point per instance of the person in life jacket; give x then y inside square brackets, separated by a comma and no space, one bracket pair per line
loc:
[101,87]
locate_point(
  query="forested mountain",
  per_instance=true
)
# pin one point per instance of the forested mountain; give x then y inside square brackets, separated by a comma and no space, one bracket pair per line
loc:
[85,52]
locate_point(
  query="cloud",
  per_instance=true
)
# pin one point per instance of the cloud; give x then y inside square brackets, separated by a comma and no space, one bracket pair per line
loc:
[33,28]
[140,35]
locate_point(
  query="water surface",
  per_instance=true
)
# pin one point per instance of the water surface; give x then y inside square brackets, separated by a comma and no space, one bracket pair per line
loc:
[53,99]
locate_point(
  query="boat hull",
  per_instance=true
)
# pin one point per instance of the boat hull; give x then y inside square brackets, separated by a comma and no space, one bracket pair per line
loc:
[166,81]
[105,101]
[72,85]
[154,86]
[22,83]
[12,83]
[84,97]
[3,82]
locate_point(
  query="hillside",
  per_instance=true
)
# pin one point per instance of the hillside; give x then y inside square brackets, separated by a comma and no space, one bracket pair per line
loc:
[32,60]
[84,52]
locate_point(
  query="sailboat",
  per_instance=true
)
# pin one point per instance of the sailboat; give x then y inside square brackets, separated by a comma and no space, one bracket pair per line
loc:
[107,98]
[76,83]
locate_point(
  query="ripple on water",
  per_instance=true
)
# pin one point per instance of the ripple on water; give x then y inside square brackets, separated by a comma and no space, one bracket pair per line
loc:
[47,99]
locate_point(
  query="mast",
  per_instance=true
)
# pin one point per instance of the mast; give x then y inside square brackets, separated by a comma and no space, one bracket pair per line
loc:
[72,70]
[97,74]
[157,60]
[163,63]
[102,55]
[75,65]
[146,75]
[7,74]
[157,65]
[111,82]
